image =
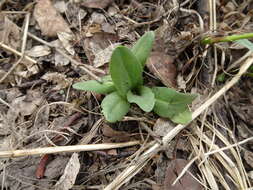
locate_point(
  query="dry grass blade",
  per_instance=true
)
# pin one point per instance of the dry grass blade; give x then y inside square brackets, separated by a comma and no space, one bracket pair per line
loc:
[74,148]
[120,180]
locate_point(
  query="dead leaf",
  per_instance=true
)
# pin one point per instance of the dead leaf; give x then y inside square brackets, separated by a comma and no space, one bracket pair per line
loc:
[66,38]
[60,6]
[161,65]
[68,179]
[98,4]
[57,78]
[109,132]
[103,56]
[49,20]
[9,32]
[60,60]
[97,18]
[38,51]
[163,126]
[56,167]
[75,14]
[248,156]
[26,105]
[185,182]
[96,44]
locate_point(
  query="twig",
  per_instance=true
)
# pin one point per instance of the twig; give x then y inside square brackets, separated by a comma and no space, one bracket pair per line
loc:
[46,158]
[132,170]
[5,103]
[27,18]
[59,149]
[2,45]
[76,63]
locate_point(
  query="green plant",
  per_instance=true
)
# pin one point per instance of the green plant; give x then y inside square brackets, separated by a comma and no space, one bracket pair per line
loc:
[235,37]
[124,86]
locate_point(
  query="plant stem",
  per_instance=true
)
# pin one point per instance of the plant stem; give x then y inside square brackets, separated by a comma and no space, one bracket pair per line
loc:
[212,40]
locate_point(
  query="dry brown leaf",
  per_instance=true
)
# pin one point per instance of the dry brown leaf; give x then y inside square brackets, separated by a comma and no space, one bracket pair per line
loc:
[60,60]
[161,65]
[38,51]
[68,179]
[109,132]
[49,20]
[66,39]
[163,126]
[98,4]
[185,182]
[9,32]
[56,167]
[75,14]
[248,156]
[96,44]
[59,79]
[103,56]
[26,105]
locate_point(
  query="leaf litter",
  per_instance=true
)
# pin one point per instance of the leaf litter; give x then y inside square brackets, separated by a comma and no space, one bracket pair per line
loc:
[38,94]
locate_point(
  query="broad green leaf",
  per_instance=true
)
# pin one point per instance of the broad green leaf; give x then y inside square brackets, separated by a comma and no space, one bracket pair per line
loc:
[164,109]
[183,117]
[143,47]
[145,98]
[95,86]
[172,104]
[125,70]
[171,96]
[114,107]
[246,43]
[178,113]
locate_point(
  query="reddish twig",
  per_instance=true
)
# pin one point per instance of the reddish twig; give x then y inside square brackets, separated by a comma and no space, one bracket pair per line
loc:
[46,158]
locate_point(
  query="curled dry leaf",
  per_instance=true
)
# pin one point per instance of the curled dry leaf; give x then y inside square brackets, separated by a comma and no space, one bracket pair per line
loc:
[49,20]
[38,51]
[161,65]
[68,179]
[59,79]
[98,4]
[185,182]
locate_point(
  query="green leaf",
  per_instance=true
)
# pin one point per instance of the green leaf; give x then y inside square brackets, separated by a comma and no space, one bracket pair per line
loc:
[114,107]
[171,96]
[246,43]
[143,47]
[172,104]
[183,117]
[105,87]
[125,70]
[145,98]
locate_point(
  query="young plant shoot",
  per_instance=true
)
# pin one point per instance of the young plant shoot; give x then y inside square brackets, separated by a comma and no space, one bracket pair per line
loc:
[124,86]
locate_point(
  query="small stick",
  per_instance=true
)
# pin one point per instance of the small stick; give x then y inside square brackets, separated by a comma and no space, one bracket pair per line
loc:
[76,63]
[46,158]
[60,149]
[31,83]
[27,18]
